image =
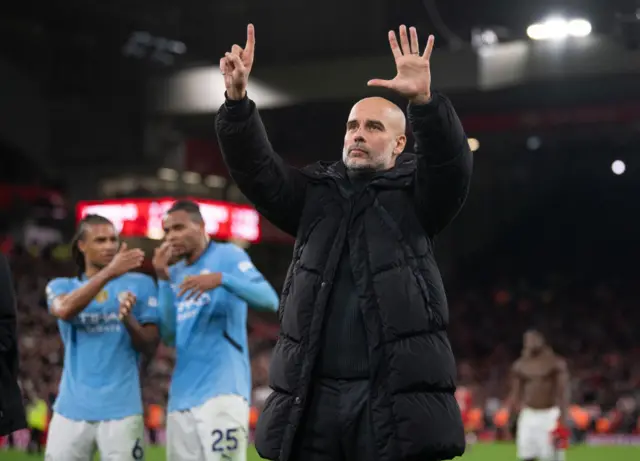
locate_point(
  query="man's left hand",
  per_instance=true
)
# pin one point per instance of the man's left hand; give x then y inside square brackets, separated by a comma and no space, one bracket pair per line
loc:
[127,301]
[195,285]
[413,80]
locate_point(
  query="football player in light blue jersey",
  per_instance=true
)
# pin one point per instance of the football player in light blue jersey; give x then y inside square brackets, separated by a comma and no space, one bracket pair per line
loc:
[203,303]
[106,317]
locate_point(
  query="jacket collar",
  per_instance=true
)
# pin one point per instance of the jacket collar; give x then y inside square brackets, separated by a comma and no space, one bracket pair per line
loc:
[404,169]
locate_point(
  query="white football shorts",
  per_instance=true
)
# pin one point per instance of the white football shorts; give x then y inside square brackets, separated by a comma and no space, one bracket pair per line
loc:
[217,430]
[534,434]
[115,440]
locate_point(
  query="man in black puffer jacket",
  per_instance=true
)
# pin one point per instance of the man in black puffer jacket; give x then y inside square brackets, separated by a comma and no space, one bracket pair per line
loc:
[363,369]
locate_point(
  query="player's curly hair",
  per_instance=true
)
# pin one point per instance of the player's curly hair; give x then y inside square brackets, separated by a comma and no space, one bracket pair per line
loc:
[76,254]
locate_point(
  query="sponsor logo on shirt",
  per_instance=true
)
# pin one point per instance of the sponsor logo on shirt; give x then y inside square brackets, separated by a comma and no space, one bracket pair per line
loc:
[189,308]
[98,322]
[102,296]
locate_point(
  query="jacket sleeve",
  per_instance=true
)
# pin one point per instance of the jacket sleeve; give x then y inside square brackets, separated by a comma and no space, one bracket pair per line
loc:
[276,189]
[7,308]
[445,162]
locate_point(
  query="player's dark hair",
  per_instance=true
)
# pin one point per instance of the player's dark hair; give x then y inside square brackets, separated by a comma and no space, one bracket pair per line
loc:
[188,206]
[76,254]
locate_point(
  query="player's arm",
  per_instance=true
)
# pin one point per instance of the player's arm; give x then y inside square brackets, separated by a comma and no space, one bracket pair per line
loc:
[445,161]
[563,390]
[64,304]
[514,400]
[67,306]
[140,317]
[7,308]
[167,311]
[247,283]
[166,300]
[240,277]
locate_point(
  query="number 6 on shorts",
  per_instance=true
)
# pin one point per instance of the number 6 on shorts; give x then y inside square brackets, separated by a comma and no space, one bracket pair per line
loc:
[137,452]
[224,441]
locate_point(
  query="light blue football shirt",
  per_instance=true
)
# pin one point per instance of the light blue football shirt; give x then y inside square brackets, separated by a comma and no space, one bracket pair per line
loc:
[100,378]
[212,356]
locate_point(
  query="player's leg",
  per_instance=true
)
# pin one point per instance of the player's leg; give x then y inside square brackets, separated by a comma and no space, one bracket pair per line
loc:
[183,442]
[526,441]
[121,439]
[223,428]
[70,440]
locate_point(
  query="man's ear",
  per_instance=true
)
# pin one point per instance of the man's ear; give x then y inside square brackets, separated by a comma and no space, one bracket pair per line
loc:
[401,142]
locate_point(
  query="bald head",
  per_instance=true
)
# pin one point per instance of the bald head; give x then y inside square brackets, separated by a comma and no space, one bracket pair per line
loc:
[375,135]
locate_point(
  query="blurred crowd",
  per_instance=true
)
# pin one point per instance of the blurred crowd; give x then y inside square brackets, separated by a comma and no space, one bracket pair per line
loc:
[593,324]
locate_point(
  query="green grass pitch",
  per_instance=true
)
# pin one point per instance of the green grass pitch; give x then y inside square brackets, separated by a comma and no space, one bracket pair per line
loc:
[480,452]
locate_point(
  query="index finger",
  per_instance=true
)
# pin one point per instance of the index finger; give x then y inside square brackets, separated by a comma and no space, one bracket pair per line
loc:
[251,40]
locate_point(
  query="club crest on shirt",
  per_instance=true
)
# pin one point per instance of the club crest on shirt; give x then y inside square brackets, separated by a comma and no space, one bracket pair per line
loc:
[102,296]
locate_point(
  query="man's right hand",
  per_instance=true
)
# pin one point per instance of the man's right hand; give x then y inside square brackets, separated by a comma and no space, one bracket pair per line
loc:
[236,66]
[124,261]
[161,260]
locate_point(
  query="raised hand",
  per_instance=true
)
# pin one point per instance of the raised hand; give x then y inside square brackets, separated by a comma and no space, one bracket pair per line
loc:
[127,301]
[161,260]
[125,260]
[413,79]
[236,66]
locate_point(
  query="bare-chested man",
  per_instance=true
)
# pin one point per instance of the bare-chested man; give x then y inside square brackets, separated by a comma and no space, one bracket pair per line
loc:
[540,393]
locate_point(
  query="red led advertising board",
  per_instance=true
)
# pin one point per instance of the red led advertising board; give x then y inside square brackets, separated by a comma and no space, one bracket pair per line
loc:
[143,217]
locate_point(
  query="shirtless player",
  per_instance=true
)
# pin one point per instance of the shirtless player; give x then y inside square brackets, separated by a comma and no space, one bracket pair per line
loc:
[540,393]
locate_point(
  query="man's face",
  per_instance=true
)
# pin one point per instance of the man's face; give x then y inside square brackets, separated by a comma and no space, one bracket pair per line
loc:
[375,135]
[100,244]
[182,233]
[533,342]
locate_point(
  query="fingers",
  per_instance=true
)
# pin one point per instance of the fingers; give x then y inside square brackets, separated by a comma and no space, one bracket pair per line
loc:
[413,35]
[380,83]
[393,42]
[251,41]
[236,61]
[188,284]
[126,306]
[237,50]
[429,48]
[123,247]
[404,40]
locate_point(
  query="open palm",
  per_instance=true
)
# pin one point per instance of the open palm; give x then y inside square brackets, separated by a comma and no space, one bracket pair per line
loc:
[413,79]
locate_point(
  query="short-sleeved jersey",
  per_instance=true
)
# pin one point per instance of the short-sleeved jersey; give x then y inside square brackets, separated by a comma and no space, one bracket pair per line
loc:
[100,377]
[212,355]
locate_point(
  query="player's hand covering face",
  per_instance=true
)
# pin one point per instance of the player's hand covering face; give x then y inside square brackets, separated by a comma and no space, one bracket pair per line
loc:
[413,79]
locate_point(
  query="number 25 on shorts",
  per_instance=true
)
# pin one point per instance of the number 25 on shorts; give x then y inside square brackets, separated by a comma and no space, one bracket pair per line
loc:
[224,441]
